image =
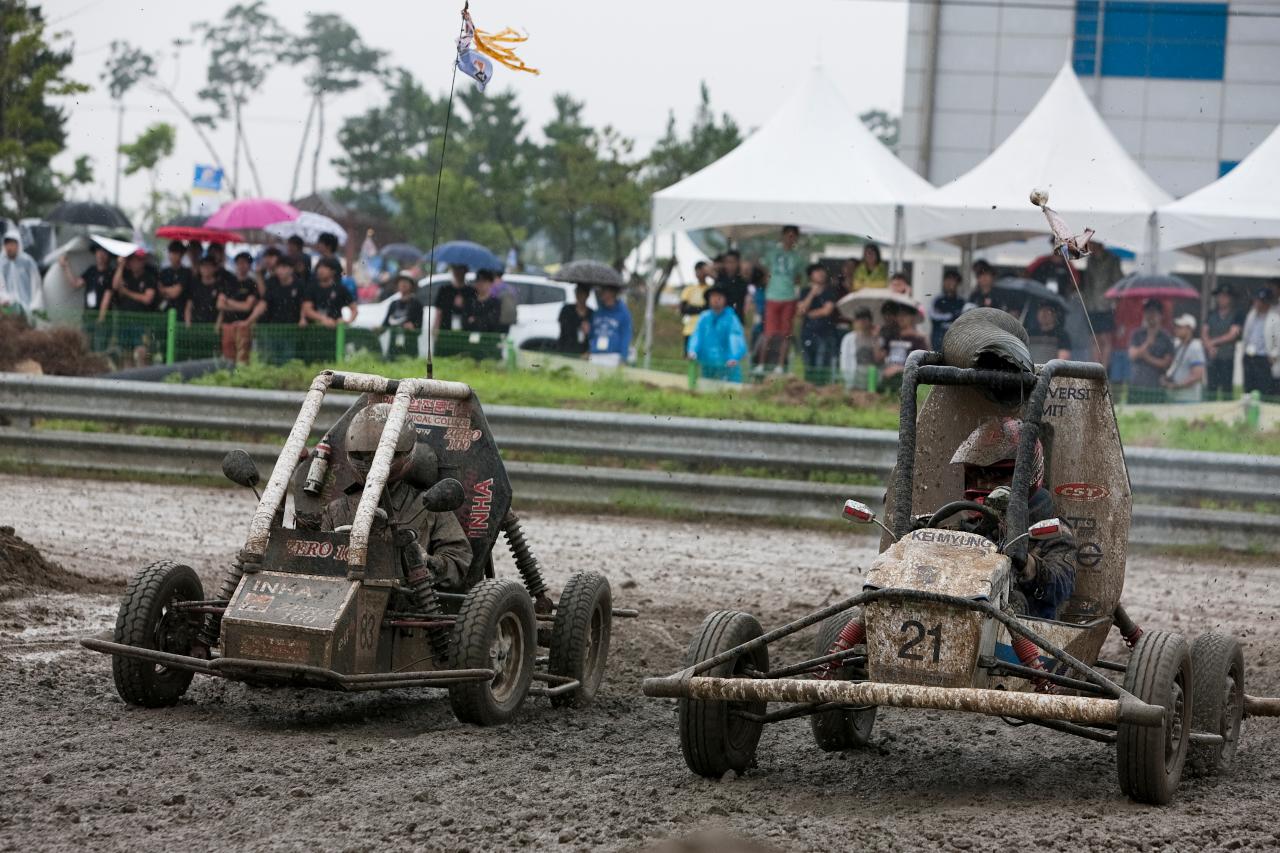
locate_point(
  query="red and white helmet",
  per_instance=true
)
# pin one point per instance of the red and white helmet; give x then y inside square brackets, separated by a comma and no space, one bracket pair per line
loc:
[994,444]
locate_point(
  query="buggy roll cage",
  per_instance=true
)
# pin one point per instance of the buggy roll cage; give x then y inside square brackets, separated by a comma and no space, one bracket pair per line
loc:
[927,368]
[405,390]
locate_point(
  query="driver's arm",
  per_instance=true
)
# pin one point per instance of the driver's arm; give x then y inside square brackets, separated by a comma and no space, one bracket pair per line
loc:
[448,551]
[1050,574]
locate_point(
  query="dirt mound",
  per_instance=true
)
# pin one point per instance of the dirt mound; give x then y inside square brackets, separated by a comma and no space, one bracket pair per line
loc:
[58,351]
[24,570]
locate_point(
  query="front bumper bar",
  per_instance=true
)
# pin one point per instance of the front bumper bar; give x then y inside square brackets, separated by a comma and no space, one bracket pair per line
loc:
[238,669]
[1004,703]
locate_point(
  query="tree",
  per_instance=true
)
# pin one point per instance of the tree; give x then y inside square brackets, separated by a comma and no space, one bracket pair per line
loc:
[618,200]
[126,67]
[883,127]
[242,49]
[32,131]
[339,62]
[384,144]
[567,167]
[500,161]
[144,154]
[709,139]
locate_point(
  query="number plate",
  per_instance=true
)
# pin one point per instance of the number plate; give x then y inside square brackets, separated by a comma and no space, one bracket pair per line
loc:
[922,644]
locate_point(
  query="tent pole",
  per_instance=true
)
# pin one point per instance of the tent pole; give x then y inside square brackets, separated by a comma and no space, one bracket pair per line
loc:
[1210,282]
[898,239]
[966,262]
[650,295]
[1153,245]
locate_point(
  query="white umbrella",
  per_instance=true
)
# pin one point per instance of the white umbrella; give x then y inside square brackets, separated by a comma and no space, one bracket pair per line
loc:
[873,298]
[309,226]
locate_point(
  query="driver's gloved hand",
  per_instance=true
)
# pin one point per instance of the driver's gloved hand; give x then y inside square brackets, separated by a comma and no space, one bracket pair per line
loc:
[1030,569]
[920,522]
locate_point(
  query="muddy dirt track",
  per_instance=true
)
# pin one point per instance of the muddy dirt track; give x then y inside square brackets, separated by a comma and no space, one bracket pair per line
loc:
[239,768]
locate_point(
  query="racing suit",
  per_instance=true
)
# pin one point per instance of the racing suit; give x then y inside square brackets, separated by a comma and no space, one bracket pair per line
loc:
[448,553]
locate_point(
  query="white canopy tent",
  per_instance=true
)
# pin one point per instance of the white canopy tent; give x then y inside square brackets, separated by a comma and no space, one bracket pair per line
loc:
[812,164]
[1239,212]
[675,244]
[1064,147]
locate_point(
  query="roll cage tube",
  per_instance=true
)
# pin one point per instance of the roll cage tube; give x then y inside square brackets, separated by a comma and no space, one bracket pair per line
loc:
[274,493]
[926,368]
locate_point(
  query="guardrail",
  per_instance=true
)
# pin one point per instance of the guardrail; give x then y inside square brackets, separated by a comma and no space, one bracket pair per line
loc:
[1158,475]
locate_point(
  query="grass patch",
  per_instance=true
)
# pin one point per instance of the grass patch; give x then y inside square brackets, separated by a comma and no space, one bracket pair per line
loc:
[1143,429]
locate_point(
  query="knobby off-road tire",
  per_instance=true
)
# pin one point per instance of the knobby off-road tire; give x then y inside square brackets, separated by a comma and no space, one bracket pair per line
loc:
[580,637]
[841,729]
[1217,664]
[1150,758]
[495,629]
[713,739]
[145,620]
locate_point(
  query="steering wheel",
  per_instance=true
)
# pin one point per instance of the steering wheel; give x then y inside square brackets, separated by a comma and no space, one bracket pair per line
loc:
[949,509]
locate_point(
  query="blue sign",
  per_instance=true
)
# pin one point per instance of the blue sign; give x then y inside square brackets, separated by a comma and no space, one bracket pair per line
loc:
[207,178]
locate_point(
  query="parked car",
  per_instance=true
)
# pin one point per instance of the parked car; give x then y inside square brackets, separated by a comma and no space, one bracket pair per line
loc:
[537,323]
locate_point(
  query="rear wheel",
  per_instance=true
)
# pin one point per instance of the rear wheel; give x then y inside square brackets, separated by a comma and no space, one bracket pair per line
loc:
[1150,758]
[580,636]
[146,619]
[713,736]
[494,630]
[1218,707]
[842,728]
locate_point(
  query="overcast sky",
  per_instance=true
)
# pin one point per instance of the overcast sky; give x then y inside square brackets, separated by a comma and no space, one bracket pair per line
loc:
[630,68]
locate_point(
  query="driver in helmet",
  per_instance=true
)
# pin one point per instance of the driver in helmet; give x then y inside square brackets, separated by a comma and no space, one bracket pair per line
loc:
[448,553]
[988,456]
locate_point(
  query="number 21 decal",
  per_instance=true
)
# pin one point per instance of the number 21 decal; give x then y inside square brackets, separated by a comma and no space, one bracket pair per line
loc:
[911,626]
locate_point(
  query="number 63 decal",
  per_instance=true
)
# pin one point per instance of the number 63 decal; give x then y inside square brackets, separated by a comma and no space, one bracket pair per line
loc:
[913,627]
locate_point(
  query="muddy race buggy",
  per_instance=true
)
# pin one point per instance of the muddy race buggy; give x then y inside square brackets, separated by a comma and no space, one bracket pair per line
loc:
[933,626]
[335,609]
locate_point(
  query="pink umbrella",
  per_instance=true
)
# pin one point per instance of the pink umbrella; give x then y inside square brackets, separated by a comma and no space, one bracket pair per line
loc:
[252,213]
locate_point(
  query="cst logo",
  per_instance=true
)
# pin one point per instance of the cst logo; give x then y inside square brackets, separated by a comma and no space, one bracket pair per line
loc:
[1081,491]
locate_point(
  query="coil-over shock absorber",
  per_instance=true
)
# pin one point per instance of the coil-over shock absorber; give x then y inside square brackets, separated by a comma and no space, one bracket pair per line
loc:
[526,563]
[421,589]
[208,636]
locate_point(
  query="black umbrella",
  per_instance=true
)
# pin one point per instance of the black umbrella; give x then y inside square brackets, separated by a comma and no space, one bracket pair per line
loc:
[89,213]
[1029,289]
[402,253]
[186,222]
[589,272]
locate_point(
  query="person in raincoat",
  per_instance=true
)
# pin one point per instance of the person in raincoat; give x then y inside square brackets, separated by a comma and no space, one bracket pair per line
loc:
[718,343]
[20,283]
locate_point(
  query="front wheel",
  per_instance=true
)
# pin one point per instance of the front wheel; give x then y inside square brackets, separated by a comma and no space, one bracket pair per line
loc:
[1150,758]
[495,629]
[147,619]
[1218,664]
[580,637]
[842,728]
[714,736]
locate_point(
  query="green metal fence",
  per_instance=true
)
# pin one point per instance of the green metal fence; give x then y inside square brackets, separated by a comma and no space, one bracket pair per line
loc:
[163,338]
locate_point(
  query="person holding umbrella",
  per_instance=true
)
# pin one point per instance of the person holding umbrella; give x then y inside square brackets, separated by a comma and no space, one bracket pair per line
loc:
[1184,380]
[1047,339]
[718,342]
[609,341]
[404,319]
[1151,353]
[575,323]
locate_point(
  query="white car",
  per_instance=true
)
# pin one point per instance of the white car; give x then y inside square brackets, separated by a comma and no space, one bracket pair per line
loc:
[537,323]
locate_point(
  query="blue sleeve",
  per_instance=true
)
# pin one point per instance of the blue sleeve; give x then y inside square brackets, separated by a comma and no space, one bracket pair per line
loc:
[624,332]
[696,337]
[737,339]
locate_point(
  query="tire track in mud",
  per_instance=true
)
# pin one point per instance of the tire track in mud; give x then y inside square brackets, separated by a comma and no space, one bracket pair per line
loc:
[234,767]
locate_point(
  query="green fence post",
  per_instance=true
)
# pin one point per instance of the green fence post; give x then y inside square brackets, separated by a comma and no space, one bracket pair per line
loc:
[693,375]
[511,355]
[871,378]
[170,335]
[341,338]
[1253,410]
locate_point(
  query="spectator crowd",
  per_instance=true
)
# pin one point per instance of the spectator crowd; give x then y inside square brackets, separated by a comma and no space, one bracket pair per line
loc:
[858,323]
